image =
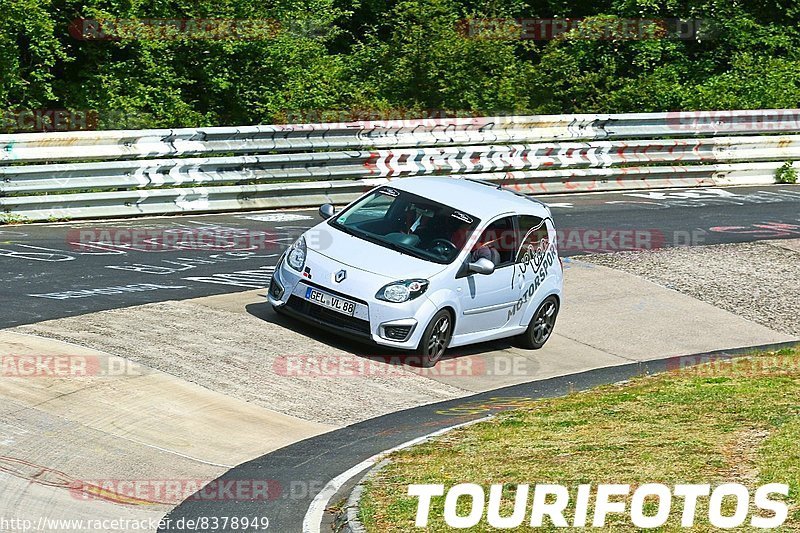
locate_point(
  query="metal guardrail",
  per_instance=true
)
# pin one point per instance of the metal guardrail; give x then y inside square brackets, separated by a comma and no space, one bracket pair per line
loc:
[157,172]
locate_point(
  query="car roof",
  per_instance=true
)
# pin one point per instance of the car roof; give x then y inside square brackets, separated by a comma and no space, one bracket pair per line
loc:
[482,199]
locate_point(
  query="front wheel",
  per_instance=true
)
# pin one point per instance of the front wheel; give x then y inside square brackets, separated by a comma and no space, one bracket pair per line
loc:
[435,339]
[541,326]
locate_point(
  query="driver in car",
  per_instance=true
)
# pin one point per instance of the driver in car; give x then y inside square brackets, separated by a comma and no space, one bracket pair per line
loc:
[417,219]
[486,250]
[482,251]
[426,227]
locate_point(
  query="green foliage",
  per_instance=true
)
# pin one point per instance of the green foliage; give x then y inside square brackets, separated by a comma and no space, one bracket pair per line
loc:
[30,53]
[786,174]
[11,218]
[409,55]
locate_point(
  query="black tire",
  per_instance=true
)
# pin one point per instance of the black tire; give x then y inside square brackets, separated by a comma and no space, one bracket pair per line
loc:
[435,339]
[278,310]
[542,324]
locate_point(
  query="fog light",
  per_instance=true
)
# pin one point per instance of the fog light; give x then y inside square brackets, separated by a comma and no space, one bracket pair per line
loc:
[397,333]
[275,288]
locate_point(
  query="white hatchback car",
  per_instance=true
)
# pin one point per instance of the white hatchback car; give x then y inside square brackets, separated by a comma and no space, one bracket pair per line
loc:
[423,264]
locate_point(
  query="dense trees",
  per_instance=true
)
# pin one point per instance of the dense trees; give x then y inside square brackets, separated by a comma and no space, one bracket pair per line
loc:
[400,56]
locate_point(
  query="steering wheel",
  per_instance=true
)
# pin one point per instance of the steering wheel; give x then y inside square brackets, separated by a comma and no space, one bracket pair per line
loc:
[445,247]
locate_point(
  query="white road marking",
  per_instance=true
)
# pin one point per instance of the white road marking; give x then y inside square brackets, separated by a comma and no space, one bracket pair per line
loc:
[276,217]
[313,518]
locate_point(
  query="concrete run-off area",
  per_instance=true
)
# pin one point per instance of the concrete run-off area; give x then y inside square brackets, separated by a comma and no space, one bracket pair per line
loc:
[86,435]
[236,345]
[759,281]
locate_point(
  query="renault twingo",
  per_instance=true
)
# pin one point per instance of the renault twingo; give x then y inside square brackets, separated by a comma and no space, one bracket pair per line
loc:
[423,264]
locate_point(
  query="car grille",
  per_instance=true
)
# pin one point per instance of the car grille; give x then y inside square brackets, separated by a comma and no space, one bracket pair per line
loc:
[328,316]
[397,333]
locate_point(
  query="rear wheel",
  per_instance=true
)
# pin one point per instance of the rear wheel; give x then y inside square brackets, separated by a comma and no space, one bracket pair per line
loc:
[541,326]
[435,339]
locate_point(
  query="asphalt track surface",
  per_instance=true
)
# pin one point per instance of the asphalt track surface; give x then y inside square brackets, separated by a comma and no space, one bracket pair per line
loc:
[66,269]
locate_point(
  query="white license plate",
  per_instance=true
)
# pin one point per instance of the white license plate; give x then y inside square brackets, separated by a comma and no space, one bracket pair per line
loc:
[346,307]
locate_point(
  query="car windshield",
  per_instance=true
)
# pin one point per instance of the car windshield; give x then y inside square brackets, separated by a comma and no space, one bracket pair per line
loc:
[409,224]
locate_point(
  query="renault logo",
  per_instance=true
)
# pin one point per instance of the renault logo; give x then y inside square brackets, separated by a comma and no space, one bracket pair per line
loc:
[340,276]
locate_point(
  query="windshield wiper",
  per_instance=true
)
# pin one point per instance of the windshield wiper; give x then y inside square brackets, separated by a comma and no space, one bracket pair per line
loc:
[380,242]
[349,231]
[398,247]
[405,250]
[361,234]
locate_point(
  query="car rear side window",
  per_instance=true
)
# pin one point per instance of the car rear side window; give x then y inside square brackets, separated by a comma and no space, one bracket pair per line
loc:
[532,234]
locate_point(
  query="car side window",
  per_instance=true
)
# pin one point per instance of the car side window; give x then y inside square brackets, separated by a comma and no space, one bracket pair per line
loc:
[497,243]
[532,233]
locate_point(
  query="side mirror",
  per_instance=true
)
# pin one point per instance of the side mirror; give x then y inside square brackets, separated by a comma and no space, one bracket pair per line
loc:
[481,266]
[326,211]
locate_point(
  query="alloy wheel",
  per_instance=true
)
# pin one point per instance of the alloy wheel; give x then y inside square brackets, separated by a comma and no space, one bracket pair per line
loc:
[440,336]
[544,322]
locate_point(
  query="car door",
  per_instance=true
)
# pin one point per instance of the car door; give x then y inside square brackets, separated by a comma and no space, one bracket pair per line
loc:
[533,238]
[486,300]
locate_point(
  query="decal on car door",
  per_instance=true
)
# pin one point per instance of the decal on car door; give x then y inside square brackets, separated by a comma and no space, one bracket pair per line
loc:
[535,256]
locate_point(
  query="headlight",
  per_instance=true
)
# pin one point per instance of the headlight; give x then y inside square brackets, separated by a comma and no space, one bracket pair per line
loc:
[296,257]
[402,291]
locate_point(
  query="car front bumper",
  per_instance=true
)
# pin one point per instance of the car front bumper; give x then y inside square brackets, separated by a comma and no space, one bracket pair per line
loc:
[394,325]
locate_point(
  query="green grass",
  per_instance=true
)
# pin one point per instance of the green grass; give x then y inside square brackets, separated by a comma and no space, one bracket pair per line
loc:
[731,422]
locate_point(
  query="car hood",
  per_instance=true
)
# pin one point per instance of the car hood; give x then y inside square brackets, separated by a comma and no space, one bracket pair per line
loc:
[364,255]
